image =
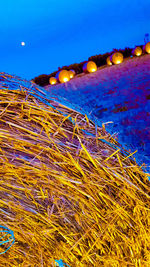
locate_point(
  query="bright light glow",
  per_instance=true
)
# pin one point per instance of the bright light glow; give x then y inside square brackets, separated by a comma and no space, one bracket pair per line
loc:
[147,47]
[108,61]
[137,51]
[23,43]
[63,76]
[52,80]
[148,50]
[117,58]
[71,73]
[66,79]
[93,70]
[89,67]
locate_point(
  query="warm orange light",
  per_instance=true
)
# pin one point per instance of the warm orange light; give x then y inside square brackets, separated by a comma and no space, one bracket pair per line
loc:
[146,48]
[71,73]
[63,76]
[116,58]
[65,79]
[52,80]
[93,70]
[90,67]
[137,51]
[108,61]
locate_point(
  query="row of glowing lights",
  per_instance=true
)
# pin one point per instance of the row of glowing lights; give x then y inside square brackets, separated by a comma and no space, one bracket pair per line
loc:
[65,76]
[116,58]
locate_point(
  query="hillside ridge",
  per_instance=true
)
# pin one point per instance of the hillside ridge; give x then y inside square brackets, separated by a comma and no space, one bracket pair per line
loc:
[118,93]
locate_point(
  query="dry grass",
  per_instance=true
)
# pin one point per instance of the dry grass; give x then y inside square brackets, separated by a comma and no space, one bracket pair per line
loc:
[65,193]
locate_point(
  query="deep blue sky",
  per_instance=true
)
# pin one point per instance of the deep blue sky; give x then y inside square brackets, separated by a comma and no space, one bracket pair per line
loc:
[59,33]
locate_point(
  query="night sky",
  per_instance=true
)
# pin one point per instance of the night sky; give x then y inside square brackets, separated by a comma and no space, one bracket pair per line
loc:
[59,33]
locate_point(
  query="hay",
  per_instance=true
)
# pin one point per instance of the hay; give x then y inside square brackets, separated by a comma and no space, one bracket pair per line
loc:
[67,189]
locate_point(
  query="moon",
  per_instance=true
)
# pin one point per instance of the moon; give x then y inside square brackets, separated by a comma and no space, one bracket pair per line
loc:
[23,43]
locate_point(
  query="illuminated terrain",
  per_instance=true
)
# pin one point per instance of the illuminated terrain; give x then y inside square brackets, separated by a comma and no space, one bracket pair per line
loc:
[68,189]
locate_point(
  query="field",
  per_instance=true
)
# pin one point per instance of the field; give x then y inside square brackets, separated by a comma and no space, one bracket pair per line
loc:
[68,189]
[119,94]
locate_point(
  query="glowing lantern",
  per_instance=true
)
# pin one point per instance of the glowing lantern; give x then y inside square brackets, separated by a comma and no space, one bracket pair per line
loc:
[116,58]
[108,61]
[146,48]
[137,51]
[63,76]
[71,73]
[90,66]
[52,80]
